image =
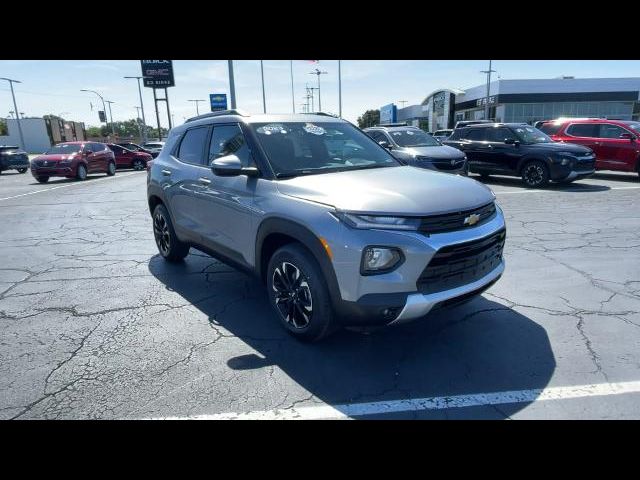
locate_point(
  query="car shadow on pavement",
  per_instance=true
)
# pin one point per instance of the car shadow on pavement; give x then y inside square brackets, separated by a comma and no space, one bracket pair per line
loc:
[478,347]
[574,187]
[61,180]
[628,177]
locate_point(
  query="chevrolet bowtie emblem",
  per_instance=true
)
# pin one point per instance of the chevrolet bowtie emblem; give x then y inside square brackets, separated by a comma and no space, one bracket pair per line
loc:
[472,219]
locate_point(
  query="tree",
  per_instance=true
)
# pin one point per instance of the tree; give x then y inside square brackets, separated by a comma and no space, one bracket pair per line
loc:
[369,118]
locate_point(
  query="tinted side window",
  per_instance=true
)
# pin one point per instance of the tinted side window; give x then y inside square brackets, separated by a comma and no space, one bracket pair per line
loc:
[229,140]
[457,134]
[498,135]
[117,150]
[611,131]
[476,134]
[192,145]
[583,130]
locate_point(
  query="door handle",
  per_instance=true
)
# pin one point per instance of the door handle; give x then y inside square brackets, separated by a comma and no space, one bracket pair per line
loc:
[166,173]
[204,181]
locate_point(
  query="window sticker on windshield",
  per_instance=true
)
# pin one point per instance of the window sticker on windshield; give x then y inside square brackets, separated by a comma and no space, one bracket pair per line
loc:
[409,132]
[314,129]
[395,134]
[271,128]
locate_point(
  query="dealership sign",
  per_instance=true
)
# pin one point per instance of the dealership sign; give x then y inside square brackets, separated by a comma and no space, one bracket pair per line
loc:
[483,101]
[218,101]
[388,113]
[157,73]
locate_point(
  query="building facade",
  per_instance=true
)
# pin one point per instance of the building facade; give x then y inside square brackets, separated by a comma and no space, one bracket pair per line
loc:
[528,101]
[40,133]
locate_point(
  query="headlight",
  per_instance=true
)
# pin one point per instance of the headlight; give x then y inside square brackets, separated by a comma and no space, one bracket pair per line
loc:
[377,260]
[378,221]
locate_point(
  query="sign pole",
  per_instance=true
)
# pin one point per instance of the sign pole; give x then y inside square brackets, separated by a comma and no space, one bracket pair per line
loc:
[166,99]
[232,86]
[155,102]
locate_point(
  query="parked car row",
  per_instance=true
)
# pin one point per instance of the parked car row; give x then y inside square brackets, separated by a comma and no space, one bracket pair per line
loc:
[79,159]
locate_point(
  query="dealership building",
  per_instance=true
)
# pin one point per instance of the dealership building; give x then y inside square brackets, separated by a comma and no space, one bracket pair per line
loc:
[524,101]
[40,133]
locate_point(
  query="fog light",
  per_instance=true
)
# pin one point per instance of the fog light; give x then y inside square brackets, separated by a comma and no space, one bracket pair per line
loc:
[379,260]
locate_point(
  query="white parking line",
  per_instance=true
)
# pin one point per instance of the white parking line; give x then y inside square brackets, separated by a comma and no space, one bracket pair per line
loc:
[325,412]
[498,192]
[69,185]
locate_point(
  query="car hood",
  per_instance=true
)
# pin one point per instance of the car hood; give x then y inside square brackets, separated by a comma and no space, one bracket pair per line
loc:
[560,147]
[402,190]
[54,158]
[436,153]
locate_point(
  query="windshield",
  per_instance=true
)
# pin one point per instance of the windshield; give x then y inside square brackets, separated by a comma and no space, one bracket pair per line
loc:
[413,138]
[634,125]
[64,149]
[299,148]
[531,135]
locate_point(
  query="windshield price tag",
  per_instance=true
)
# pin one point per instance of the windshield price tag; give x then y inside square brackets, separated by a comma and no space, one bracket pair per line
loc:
[271,128]
[314,129]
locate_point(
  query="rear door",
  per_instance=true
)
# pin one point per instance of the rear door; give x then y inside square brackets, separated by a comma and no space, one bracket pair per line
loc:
[501,156]
[617,153]
[586,134]
[477,149]
[119,152]
[93,159]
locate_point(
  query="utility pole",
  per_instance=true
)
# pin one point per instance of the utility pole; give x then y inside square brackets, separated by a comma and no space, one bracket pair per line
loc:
[486,106]
[232,86]
[264,98]
[317,72]
[111,116]
[196,102]
[403,102]
[293,97]
[138,122]
[15,106]
[339,88]
[144,122]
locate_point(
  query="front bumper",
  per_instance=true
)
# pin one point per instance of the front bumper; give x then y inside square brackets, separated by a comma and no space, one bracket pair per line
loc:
[580,167]
[52,171]
[418,304]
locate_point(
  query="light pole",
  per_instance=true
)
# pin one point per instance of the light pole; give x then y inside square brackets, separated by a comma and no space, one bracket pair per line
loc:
[15,106]
[232,86]
[293,97]
[111,116]
[104,108]
[197,101]
[486,106]
[264,98]
[340,88]
[317,72]
[144,122]
[138,122]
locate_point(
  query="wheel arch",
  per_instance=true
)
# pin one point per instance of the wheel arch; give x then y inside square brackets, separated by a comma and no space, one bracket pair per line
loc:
[529,158]
[276,232]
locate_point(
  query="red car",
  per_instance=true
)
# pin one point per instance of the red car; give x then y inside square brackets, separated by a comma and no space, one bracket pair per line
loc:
[615,142]
[126,158]
[73,160]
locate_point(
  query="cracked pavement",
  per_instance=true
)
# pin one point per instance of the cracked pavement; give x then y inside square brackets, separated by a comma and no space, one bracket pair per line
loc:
[93,324]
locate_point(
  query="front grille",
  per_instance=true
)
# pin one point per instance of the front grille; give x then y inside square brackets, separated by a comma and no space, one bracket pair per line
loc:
[450,222]
[458,265]
[447,165]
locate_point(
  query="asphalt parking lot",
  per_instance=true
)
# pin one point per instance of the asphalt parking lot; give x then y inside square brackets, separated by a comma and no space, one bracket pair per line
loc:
[95,325]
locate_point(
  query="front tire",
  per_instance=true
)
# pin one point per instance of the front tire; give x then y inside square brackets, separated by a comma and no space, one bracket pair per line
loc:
[138,165]
[169,246]
[22,170]
[81,172]
[111,169]
[535,174]
[299,295]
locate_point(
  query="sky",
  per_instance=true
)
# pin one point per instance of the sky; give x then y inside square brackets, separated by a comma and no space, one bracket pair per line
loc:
[53,86]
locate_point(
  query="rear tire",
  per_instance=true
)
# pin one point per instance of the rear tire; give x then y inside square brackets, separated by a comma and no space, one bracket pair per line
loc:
[22,170]
[111,169]
[299,295]
[81,172]
[42,179]
[169,246]
[535,174]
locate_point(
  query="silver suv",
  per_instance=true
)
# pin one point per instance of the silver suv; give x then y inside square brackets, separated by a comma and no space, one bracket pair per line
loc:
[340,232]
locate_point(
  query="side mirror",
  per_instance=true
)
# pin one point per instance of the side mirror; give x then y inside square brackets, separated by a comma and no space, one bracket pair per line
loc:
[385,144]
[628,135]
[231,166]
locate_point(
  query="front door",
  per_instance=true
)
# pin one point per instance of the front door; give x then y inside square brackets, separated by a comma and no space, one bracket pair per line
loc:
[226,215]
[617,153]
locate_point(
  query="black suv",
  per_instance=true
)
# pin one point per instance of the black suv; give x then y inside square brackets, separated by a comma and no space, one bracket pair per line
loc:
[414,147]
[13,158]
[521,150]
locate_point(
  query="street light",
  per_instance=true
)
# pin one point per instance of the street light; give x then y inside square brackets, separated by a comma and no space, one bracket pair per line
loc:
[197,101]
[144,123]
[318,73]
[15,106]
[104,108]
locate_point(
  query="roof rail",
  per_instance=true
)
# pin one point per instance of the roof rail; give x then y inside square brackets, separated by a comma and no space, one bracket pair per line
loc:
[398,124]
[325,114]
[242,113]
